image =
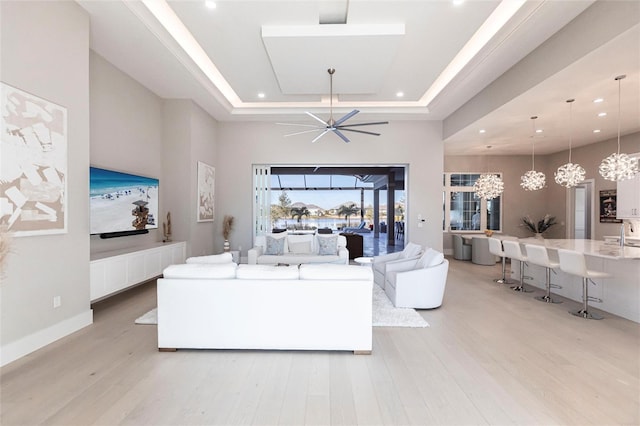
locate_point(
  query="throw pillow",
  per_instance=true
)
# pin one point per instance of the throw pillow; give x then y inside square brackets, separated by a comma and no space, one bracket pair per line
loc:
[275,246]
[295,239]
[410,250]
[327,245]
[429,258]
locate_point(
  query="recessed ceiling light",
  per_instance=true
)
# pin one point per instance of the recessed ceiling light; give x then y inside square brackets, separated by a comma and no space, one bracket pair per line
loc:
[596,131]
[483,131]
[457,2]
[539,131]
[210,4]
[261,95]
[597,101]
[602,114]
[400,94]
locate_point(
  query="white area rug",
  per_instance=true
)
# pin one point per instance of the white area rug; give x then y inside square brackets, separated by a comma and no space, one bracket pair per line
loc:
[384,313]
[387,315]
[150,317]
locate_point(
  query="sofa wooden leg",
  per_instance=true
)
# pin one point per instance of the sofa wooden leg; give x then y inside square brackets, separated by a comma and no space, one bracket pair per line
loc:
[362,352]
[167,349]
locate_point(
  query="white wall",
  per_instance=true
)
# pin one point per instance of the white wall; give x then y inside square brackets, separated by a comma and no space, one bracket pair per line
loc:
[126,135]
[417,144]
[189,136]
[45,51]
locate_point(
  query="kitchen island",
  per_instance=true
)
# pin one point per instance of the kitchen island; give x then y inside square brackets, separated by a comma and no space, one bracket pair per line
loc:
[620,294]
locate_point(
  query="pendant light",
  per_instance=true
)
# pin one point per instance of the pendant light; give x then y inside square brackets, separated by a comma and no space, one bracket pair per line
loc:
[569,174]
[617,167]
[488,185]
[532,180]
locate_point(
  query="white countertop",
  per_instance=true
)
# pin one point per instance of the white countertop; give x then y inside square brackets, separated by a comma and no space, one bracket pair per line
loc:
[588,247]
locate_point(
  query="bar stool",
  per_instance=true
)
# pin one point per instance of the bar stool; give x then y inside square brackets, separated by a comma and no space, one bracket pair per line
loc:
[495,248]
[538,255]
[574,263]
[512,251]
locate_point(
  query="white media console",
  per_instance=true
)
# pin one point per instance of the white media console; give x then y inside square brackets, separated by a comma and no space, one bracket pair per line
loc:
[117,270]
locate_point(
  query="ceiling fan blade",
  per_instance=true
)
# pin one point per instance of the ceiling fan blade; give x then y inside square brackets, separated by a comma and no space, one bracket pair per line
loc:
[320,135]
[302,132]
[339,133]
[303,125]
[346,117]
[315,117]
[365,124]
[359,131]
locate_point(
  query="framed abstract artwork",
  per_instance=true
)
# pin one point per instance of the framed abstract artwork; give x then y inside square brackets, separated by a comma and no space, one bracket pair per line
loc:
[33,164]
[206,181]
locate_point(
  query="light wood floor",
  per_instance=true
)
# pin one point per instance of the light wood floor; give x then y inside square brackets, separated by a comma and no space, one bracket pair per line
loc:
[491,356]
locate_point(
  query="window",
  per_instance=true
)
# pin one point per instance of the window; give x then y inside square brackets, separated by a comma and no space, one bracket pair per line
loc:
[463,210]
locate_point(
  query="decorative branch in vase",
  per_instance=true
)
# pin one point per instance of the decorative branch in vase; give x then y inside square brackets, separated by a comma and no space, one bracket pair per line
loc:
[227,227]
[166,229]
[540,226]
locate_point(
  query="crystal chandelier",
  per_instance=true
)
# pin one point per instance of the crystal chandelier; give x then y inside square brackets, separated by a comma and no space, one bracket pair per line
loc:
[569,174]
[533,180]
[618,166]
[488,185]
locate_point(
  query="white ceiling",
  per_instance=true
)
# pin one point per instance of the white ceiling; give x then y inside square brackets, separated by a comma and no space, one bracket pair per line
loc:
[530,66]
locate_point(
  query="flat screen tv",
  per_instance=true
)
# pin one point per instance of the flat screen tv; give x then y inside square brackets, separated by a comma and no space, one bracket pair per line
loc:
[122,203]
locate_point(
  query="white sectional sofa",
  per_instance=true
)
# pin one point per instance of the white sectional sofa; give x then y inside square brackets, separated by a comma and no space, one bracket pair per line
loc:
[229,306]
[292,249]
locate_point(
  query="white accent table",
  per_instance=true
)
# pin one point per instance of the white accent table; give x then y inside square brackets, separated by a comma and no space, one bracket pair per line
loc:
[364,261]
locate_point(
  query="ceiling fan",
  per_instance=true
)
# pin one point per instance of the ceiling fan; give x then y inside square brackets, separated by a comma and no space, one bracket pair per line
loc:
[332,125]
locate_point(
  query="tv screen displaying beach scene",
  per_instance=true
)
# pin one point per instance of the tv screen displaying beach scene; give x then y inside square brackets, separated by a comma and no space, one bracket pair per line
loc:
[121,201]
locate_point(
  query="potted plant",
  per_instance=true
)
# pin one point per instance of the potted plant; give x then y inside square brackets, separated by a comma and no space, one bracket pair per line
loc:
[540,226]
[227,227]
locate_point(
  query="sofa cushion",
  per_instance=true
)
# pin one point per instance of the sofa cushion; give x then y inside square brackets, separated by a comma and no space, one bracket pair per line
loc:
[297,259]
[429,258]
[274,243]
[200,271]
[214,258]
[267,272]
[327,244]
[303,247]
[334,272]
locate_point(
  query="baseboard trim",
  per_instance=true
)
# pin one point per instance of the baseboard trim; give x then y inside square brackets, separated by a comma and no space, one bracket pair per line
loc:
[31,343]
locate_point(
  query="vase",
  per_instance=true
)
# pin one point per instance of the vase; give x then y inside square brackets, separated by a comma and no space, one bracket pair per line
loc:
[539,236]
[226,246]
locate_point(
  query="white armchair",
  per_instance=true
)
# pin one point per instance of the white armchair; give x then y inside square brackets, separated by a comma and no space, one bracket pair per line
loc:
[411,251]
[417,283]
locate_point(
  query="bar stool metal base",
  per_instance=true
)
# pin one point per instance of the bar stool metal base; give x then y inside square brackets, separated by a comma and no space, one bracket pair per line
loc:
[504,279]
[547,299]
[586,314]
[521,289]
